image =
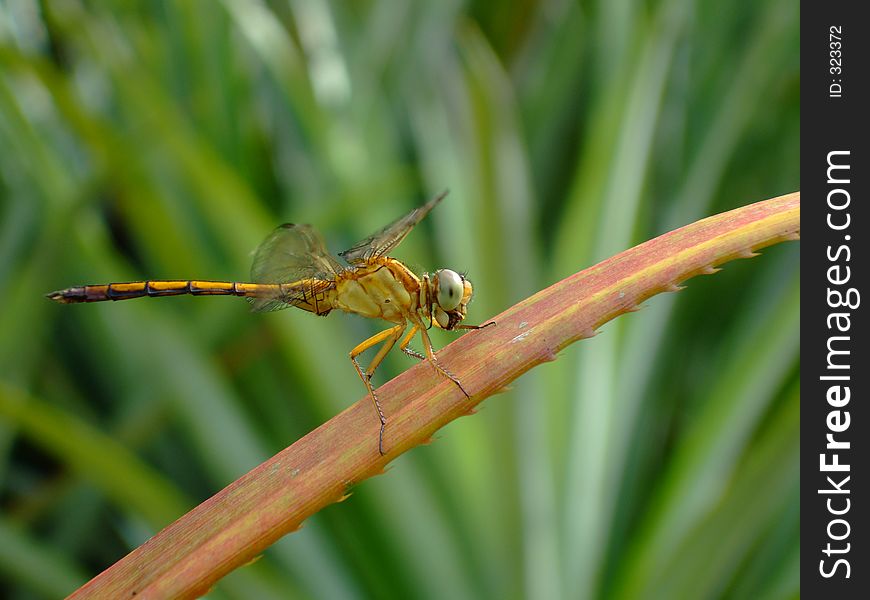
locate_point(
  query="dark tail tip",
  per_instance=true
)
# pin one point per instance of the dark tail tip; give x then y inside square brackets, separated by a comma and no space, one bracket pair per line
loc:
[66,296]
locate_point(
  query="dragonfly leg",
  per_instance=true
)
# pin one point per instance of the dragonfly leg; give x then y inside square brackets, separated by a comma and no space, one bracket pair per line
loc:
[484,326]
[403,345]
[388,337]
[430,354]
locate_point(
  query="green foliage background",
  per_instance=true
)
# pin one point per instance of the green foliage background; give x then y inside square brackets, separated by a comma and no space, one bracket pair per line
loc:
[165,139]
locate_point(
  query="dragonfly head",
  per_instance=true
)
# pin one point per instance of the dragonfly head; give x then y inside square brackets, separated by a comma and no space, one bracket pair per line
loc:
[451,293]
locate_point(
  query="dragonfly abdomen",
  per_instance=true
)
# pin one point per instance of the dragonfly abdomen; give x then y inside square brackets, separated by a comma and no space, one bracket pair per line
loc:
[158,288]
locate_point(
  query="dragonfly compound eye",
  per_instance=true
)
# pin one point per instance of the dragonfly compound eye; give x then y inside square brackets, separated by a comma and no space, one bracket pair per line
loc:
[450,289]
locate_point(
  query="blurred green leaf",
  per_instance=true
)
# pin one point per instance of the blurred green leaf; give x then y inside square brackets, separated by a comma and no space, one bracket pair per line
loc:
[40,569]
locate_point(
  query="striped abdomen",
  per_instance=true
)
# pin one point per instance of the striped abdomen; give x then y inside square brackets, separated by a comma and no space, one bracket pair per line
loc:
[291,294]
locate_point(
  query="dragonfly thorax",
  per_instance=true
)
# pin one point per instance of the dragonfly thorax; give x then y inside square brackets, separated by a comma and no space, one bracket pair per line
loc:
[447,296]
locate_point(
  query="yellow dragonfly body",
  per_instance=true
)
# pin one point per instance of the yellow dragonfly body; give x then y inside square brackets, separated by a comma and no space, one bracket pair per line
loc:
[293,268]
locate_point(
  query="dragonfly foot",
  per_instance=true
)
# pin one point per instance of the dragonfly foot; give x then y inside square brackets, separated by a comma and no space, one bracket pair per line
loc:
[413,353]
[450,376]
[383,421]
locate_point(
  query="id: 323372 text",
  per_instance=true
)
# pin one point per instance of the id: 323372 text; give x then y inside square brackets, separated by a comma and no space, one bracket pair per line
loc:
[835,61]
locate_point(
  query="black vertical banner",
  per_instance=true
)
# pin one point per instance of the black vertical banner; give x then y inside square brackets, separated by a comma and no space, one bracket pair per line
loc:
[835,437]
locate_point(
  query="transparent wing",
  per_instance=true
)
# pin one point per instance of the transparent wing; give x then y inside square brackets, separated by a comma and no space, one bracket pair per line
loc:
[292,254]
[294,294]
[390,236]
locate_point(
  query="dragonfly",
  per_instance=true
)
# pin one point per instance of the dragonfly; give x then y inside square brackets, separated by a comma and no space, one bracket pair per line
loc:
[292,267]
